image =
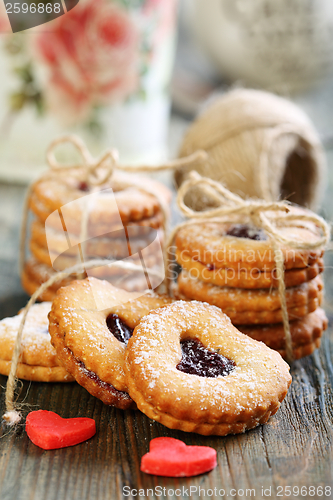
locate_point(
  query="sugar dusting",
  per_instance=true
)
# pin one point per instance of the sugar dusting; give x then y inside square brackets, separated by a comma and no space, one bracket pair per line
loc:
[35,333]
[157,352]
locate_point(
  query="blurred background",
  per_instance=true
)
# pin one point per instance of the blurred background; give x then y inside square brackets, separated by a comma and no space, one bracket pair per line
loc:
[134,74]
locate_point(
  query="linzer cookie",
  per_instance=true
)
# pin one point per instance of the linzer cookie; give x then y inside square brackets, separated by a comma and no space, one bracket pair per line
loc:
[245,306]
[107,246]
[236,246]
[232,266]
[38,360]
[122,219]
[189,368]
[241,277]
[63,260]
[133,202]
[35,273]
[305,333]
[91,341]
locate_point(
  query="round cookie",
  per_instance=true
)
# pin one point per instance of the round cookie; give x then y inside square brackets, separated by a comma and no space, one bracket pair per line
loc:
[38,360]
[91,341]
[34,274]
[303,350]
[247,386]
[115,244]
[304,332]
[241,277]
[93,230]
[246,306]
[241,246]
[61,262]
[30,286]
[130,192]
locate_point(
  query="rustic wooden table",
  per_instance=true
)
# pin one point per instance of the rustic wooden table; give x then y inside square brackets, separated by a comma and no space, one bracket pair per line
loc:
[289,456]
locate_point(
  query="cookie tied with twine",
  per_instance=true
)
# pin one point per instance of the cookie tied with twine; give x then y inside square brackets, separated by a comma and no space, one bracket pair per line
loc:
[95,173]
[259,145]
[268,216]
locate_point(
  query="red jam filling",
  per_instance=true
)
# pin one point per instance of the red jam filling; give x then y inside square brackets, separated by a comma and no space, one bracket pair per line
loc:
[118,328]
[198,360]
[247,231]
[95,378]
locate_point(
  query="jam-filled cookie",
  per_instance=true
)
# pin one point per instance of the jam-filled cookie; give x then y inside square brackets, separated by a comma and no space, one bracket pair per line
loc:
[122,219]
[112,245]
[189,368]
[260,306]
[232,265]
[38,360]
[90,324]
[35,273]
[133,202]
[243,277]
[60,262]
[305,334]
[243,246]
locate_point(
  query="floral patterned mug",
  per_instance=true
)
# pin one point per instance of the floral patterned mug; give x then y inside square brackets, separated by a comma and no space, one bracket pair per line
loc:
[101,70]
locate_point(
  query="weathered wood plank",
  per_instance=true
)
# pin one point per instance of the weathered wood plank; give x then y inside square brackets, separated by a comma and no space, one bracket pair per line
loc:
[293,449]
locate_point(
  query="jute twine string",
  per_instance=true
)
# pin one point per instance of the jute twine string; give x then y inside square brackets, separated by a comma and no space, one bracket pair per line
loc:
[257,145]
[95,173]
[269,216]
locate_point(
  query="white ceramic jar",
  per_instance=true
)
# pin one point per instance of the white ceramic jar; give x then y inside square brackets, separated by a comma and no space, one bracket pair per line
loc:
[284,45]
[102,70]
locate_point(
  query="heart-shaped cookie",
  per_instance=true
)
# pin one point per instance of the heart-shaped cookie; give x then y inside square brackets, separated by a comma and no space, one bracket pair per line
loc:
[173,458]
[49,431]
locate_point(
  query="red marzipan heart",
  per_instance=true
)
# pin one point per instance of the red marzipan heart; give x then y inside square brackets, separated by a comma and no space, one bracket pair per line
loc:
[171,457]
[49,431]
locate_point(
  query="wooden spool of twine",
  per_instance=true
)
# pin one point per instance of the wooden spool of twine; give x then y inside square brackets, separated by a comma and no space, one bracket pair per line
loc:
[269,216]
[259,145]
[94,172]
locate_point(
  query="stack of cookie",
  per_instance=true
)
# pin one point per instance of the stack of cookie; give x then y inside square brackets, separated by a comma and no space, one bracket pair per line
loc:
[232,266]
[38,359]
[171,360]
[75,223]
[91,341]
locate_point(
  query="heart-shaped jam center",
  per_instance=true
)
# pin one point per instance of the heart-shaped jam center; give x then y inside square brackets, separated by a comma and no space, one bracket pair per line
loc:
[247,231]
[198,360]
[118,328]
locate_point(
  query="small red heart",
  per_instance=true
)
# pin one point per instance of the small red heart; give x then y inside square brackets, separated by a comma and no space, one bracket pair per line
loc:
[171,457]
[49,431]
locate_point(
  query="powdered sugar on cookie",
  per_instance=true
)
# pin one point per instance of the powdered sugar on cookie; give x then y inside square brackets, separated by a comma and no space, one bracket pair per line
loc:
[245,397]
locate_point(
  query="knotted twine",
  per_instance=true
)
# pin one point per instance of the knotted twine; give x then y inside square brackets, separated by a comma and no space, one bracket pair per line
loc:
[94,172]
[229,207]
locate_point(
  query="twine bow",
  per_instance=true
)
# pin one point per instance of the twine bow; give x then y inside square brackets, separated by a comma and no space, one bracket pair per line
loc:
[269,216]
